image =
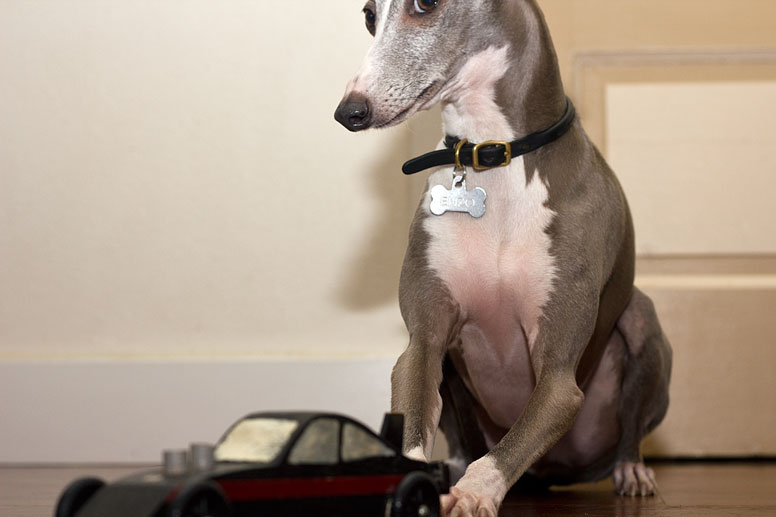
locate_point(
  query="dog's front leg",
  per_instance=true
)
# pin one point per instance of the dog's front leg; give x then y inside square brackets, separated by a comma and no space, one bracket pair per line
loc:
[417,376]
[432,318]
[415,393]
[549,414]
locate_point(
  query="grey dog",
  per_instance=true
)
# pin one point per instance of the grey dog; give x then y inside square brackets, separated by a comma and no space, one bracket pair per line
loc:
[529,344]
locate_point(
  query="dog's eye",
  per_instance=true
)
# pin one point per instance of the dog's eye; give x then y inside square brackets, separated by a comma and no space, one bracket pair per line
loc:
[371,19]
[425,6]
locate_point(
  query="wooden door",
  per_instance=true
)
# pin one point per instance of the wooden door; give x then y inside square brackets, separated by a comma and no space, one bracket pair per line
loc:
[681,99]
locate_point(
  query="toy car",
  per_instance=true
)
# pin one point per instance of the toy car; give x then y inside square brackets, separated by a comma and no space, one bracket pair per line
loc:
[275,464]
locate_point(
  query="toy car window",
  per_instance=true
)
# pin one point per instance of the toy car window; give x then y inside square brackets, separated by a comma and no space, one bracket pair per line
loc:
[319,444]
[256,439]
[357,444]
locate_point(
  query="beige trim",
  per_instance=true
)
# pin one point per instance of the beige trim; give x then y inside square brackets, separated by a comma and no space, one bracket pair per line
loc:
[706,265]
[706,282]
[594,71]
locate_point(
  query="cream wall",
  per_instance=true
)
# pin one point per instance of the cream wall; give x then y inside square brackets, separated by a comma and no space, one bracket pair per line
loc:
[174,183]
[186,234]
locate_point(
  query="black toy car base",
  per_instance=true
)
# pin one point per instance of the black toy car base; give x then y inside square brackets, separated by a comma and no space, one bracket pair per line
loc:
[275,464]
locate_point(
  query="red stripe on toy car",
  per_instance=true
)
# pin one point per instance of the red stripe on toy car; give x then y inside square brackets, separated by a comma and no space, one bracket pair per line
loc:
[255,489]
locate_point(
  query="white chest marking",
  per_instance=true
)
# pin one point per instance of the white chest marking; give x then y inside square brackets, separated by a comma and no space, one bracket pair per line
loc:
[498,267]
[469,99]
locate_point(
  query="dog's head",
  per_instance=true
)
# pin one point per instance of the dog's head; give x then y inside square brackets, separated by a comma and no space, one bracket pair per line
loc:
[419,46]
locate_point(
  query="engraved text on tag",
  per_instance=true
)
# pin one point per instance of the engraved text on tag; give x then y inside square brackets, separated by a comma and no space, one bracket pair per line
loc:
[458,199]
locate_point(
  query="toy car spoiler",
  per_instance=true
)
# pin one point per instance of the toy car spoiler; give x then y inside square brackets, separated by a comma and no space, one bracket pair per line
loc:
[392,430]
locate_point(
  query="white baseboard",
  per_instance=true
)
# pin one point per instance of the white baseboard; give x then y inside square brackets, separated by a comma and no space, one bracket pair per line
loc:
[115,412]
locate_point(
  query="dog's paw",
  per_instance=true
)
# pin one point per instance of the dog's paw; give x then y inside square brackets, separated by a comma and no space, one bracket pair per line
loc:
[634,479]
[467,504]
[478,494]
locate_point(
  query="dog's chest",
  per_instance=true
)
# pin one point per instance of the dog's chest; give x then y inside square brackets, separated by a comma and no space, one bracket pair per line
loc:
[500,271]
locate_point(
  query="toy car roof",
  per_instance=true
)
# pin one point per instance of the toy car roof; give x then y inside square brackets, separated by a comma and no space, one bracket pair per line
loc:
[300,416]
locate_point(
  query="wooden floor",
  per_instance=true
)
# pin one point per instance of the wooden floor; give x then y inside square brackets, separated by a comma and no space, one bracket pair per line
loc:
[686,490]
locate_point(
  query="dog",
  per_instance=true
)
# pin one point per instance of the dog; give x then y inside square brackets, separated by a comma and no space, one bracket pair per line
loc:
[529,346]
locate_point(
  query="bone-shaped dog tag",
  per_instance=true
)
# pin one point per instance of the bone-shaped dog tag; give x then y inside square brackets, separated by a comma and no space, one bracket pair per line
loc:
[458,199]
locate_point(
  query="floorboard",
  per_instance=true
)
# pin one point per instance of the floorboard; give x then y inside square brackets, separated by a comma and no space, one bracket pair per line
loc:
[685,489]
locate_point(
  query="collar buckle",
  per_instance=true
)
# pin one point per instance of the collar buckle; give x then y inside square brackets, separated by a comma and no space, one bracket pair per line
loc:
[478,166]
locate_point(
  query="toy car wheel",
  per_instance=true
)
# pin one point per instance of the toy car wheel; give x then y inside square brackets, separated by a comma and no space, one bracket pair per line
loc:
[200,500]
[416,496]
[75,496]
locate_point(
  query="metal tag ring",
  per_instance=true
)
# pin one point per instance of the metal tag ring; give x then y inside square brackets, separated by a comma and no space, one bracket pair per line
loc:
[458,165]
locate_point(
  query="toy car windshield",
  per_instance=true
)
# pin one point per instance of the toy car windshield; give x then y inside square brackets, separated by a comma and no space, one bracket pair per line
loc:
[256,440]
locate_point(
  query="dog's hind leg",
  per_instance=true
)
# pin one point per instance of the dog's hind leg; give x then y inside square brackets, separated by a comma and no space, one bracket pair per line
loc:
[644,396]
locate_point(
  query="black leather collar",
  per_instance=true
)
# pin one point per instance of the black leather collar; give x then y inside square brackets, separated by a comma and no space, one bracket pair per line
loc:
[492,153]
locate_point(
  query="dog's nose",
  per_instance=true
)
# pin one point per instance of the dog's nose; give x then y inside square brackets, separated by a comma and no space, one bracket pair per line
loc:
[354,113]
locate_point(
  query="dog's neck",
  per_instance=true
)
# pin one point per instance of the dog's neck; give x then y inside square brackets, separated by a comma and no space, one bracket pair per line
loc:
[508,91]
